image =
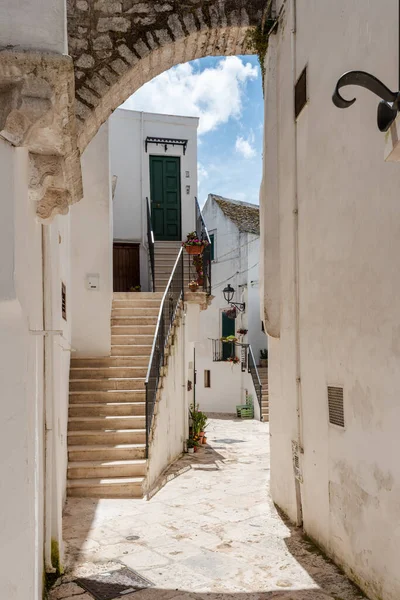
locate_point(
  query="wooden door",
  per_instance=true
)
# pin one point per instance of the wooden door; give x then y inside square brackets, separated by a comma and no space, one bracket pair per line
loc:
[126,267]
[165,191]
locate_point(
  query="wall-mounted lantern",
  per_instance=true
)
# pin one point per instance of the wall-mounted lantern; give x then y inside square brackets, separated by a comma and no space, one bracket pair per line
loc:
[229,292]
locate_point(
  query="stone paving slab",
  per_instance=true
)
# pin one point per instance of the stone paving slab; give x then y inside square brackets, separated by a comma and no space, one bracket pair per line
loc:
[211,533]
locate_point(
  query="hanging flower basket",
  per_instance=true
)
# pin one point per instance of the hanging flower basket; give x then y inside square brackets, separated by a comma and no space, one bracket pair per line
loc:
[231,313]
[194,245]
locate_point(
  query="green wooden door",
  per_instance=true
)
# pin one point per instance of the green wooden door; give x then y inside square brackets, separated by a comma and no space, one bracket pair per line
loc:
[165,190]
[228,328]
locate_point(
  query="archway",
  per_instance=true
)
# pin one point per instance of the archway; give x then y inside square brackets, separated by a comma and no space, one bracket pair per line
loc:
[117,46]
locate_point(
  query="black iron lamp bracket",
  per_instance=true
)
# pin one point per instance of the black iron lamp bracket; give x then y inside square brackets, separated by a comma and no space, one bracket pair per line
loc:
[388,107]
[241,306]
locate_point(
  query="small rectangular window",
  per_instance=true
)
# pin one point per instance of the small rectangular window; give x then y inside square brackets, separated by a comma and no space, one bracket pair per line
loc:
[207,378]
[63,301]
[262,327]
[336,406]
[300,93]
[212,240]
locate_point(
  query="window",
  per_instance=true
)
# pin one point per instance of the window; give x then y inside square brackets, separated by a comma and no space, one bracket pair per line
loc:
[262,327]
[212,240]
[300,93]
[207,378]
[63,301]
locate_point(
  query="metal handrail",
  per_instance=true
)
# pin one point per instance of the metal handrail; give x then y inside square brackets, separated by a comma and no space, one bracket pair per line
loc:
[202,232]
[150,242]
[174,293]
[252,368]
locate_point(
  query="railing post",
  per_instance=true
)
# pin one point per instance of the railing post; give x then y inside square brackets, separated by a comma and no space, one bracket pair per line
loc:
[147,418]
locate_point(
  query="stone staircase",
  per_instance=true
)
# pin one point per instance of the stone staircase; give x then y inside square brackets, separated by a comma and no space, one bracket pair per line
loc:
[165,255]
[106,427]
[263,373]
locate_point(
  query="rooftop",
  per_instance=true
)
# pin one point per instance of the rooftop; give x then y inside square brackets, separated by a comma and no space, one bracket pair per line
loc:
[244,215]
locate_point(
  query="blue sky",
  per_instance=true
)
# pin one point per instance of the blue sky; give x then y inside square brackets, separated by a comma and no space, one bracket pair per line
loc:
[226,94]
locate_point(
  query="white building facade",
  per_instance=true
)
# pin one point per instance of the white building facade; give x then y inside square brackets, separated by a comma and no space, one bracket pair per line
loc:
[150,152]
[330,212]
[233,227]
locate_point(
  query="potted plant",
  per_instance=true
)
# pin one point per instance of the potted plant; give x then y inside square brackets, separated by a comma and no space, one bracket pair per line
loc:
[202,422]
[242,331]
[193,244]
[193,286]
[231,313]
[190,443]
[264,358]
[136,288]
[233,359]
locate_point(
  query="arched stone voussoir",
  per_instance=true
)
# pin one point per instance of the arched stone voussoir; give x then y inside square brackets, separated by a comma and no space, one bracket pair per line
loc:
[118,45]
[37,111]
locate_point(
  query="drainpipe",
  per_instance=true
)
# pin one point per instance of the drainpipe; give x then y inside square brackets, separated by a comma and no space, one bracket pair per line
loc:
[299,406]
[47,400]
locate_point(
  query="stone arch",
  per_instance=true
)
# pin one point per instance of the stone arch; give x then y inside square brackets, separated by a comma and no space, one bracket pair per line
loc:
[118,45]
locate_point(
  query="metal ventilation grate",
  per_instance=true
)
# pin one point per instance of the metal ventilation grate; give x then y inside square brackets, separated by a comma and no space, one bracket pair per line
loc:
[300,93]
[336,407]
[63,301]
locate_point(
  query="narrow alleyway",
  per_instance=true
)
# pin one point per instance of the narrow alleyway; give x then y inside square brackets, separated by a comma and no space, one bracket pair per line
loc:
[210,533]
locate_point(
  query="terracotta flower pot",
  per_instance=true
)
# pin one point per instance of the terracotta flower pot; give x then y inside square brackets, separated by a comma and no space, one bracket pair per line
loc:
[204,440]
[195,449]
[193,287]
[263,362]
[194,249]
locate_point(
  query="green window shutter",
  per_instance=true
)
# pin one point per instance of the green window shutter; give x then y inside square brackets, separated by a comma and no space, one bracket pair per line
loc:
[212,250]
[228,328]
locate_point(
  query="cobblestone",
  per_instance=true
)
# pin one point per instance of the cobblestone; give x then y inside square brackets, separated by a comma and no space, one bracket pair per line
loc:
[210,532]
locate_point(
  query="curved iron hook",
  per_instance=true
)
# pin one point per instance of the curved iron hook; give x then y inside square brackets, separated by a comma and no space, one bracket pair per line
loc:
[365,80]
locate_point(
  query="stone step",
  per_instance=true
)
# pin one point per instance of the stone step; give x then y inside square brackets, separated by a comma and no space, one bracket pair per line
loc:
[110,436]
[134,321]
[105,409]
[133,329]
[133,295]
[94,397]
[98,469]
[123,487]
[132,340]
[135,312]
[108,372]
[113,361]
[124,350]
[92,385]
[106,452]
[137,302]
[106,423]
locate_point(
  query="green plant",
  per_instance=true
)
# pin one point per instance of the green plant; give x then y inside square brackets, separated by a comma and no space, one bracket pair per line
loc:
[257,39]
[190,443]
[264,354]
[199,421]
[136,288]
[229,339]
[193,240]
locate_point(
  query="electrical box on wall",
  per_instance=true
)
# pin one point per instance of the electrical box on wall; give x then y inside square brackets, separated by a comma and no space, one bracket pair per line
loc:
[93,281]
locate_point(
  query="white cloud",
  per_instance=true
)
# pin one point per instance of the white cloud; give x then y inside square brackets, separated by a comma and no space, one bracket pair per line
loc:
[214,94]
[202,173]
[245,147]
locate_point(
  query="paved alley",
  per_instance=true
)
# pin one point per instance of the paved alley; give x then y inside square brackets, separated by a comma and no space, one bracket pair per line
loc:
[210,533]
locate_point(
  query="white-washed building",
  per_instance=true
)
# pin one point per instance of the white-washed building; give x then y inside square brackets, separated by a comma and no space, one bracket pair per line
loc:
[234,230]
[154,166]
[330,244]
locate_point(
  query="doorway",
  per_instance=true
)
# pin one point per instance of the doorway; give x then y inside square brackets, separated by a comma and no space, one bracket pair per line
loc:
[126,266]
[165,192]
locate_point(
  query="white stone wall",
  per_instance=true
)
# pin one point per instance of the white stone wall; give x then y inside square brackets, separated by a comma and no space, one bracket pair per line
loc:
[91,252]
[344,243]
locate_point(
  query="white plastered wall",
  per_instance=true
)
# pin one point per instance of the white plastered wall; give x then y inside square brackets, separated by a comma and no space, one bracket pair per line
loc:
[348,244]
[236,262]
[91,252]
